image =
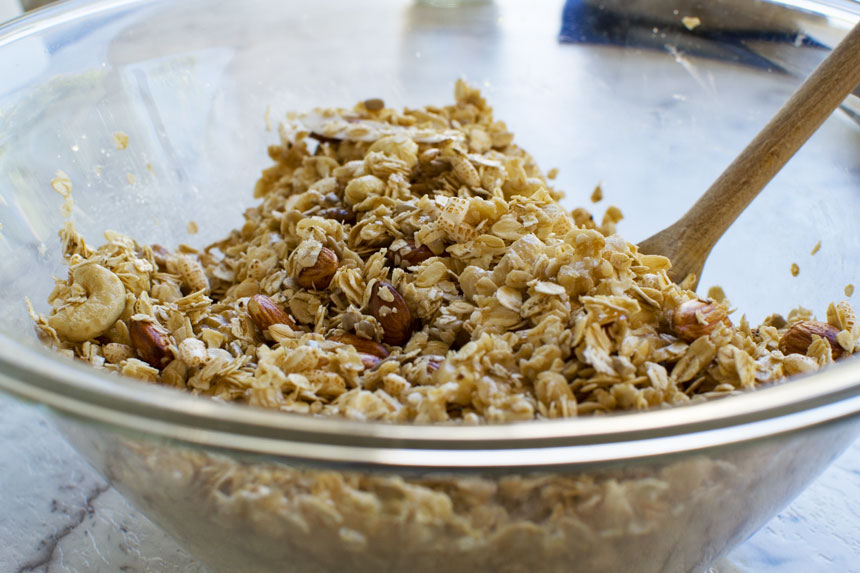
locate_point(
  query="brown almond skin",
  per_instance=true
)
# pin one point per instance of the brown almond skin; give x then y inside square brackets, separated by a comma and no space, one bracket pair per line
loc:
[369,361]
[339,214]
[160,254]
[686,324]
[374,104]
[394,316]
[362,345]
[264,312]
[151,342]
[797,339]
[410,255]
[320,274]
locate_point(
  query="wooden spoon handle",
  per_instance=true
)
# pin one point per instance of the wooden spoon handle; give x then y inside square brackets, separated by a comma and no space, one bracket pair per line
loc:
[688,241]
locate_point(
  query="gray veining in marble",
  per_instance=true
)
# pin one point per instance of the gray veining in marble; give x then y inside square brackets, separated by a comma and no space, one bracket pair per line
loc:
[58,515]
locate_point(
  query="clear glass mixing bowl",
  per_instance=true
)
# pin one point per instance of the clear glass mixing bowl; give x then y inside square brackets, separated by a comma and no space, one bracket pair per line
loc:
[650,98]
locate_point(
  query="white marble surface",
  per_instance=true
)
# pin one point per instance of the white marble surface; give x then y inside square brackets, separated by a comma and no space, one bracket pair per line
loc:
[58,515]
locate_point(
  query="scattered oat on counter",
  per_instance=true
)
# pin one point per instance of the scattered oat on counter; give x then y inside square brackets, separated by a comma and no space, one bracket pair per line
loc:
[597,194]
[552,173]
[849,290]
[816,248]
[795,270]
[192,228]
[131,178]
[120,140]
[416,266]
[62,184]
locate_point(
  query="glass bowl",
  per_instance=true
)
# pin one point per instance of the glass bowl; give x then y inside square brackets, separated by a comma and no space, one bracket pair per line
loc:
[650,99]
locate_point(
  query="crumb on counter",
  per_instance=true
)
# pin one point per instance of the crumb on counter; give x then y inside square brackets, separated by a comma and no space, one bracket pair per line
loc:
[795,270]
[816,248]
[691,22]
[552,173]
[597,194]
[849,290]
[192,228]
[62,184]
[120,140]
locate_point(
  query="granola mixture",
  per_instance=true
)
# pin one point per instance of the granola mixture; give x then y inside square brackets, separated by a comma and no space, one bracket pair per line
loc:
[416,266]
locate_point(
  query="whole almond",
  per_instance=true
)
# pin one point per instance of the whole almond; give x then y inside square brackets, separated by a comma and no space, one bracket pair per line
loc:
[362,345]
[151,342]
[374,104]
[797,339]
[410,255]
[389,308]
[264,312]
[695,318]
[319,275]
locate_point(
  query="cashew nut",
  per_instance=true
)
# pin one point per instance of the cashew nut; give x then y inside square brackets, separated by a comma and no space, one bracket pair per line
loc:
[93,317]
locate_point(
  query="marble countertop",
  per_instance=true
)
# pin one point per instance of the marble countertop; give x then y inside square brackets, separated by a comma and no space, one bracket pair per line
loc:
[58,515]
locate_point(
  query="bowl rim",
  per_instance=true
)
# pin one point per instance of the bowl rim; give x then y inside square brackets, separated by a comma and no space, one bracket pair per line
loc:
[78,391]
[132,407]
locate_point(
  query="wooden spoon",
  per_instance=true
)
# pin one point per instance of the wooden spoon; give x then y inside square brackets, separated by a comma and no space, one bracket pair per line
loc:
[688,241]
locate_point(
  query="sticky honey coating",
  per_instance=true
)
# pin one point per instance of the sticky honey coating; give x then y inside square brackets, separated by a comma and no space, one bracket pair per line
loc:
[429,232]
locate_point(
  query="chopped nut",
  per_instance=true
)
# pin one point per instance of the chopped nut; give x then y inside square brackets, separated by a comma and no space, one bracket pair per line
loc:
[320,274]
[193,352]
[151,342]
[798,338]
[264,312]
[339,214]
[161,255]
[696,318]
[389,308]
[410,255]
[369,360]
